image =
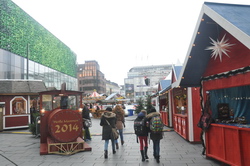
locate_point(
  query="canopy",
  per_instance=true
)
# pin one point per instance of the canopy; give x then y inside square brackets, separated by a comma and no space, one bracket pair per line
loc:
[95,94]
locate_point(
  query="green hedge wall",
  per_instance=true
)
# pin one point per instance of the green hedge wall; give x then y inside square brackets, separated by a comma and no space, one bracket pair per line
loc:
[18,29]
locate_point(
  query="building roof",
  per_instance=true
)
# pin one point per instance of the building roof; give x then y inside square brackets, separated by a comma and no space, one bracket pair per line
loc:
[213,18]
[138,68]
[8,87]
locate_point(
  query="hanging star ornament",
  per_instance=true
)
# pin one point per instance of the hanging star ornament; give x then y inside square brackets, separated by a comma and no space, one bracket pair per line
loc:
[219,48]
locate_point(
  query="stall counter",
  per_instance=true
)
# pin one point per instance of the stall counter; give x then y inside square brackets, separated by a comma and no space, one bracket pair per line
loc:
[229,143]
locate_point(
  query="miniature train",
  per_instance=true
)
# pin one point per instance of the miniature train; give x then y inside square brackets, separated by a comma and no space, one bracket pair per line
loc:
[61,122]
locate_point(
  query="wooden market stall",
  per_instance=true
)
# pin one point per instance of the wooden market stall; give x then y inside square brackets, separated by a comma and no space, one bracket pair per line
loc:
[18,99]
[163,98]
[218,62]
[181,107]
[186,112]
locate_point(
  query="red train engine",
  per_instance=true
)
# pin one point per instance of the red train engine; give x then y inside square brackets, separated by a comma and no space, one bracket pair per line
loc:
[61,122]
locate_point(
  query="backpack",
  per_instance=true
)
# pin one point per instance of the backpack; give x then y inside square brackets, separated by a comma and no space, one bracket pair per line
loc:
[139,127]
[156,124]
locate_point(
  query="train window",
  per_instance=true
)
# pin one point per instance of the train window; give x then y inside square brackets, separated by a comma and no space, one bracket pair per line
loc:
[64,102]
[47,102]
[56,101]
[72,102]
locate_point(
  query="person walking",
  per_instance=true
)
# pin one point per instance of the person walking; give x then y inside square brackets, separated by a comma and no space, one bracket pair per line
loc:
[108,121]
[120,123]
[156,134]
[141,131]
[85,116]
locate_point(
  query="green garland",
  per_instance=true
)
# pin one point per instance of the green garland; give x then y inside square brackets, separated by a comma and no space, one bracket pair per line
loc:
[227,74]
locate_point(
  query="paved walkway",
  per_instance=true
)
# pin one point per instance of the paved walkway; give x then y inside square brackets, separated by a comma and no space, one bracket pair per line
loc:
[22,149]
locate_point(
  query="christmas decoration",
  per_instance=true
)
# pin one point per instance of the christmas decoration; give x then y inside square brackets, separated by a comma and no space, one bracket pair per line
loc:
[219,48]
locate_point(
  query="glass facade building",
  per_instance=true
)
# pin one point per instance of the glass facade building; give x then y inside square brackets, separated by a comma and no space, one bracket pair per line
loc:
[15,67]
[30,51]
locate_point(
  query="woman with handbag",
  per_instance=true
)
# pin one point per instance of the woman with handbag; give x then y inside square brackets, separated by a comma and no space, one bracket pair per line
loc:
[120,122]
[86,117]
[108,121]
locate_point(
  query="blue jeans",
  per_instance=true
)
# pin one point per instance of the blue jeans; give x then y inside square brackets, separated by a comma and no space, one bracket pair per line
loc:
[156,147]
[121,135]
[107,144]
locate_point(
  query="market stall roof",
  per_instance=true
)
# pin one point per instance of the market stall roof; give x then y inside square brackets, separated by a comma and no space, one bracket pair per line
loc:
[111,96]
[176,71]
[213,18]
[106,101]
[166,85]
[14,87]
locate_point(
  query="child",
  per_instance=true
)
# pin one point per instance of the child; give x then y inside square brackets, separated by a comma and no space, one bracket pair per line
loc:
[141,130]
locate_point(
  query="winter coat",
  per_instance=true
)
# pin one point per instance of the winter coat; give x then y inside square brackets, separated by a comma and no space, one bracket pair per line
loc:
[106,128]
[120,120]
[85,115]
[154,136]
[141,117]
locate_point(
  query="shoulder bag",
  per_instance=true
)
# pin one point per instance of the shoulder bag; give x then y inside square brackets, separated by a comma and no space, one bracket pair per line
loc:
[114,133]
[87,122]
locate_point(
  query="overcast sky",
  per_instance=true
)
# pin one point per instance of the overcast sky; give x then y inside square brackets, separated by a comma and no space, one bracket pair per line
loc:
[121,34]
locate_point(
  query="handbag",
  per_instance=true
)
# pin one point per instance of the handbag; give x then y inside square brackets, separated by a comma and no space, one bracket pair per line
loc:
[87,122]
[114,132]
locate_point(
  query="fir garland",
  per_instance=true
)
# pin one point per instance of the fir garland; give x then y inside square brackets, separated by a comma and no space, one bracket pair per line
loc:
[227,74]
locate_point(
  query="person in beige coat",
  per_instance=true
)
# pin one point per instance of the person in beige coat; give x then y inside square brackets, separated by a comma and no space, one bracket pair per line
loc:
[120,122]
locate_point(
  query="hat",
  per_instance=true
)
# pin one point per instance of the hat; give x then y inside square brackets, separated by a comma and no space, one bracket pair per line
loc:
[108,109]
[141,114]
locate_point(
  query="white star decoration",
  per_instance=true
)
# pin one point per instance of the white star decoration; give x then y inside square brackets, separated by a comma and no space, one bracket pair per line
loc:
[219,47]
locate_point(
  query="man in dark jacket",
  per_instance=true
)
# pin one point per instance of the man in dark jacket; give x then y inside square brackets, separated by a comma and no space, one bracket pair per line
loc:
[85,115]
[155,137]
[108,121]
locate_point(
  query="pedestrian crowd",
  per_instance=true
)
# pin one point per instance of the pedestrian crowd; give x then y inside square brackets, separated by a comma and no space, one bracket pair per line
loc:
[113,123]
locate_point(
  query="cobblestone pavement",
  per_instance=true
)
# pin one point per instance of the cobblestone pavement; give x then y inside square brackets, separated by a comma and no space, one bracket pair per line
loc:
[21,148]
